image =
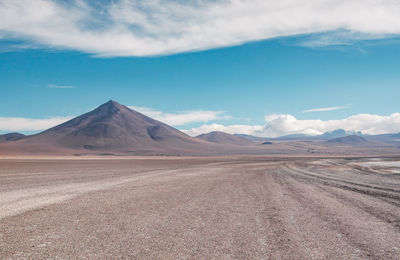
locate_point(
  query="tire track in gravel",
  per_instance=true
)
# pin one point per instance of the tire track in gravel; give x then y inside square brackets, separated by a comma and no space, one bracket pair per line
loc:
[376,206]
[374,237]
[313,233]
[389,195]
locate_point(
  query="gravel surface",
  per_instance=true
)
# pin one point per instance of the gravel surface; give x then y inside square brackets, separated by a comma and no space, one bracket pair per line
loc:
[210,208]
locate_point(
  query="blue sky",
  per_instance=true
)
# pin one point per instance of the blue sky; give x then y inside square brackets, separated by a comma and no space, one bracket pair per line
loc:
[254,86]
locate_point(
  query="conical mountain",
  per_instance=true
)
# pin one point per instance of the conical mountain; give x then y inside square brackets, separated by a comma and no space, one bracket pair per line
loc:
[113,127]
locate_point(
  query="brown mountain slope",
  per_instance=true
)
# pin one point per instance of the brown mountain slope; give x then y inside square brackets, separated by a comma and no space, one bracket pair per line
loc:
[112,127]
[224,138]
[11,137]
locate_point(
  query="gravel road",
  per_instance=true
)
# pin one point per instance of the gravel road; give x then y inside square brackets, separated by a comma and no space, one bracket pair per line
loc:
[203,208]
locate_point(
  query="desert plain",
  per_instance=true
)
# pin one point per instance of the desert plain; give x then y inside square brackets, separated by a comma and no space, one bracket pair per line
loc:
[199,208]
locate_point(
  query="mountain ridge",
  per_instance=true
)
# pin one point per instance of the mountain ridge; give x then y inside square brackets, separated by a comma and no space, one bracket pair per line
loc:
[113,127]
[224,138]
[349,140]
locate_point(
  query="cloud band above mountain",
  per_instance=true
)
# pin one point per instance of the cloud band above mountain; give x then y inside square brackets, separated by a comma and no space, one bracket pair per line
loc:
[155,27]
[29,124]
[281,124]
[181,118]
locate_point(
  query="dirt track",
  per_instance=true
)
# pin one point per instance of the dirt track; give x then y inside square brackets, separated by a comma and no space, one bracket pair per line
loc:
[202,208]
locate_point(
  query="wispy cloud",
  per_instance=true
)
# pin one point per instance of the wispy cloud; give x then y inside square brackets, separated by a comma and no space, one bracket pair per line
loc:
[282,124]
[182,118]
[29,124]
[325,109]
[156,27]
[59,86]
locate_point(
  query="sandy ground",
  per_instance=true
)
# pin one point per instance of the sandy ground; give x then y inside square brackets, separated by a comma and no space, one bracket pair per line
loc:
[210,208]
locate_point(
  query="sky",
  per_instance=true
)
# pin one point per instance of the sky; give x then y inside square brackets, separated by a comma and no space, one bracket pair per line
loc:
[252,67]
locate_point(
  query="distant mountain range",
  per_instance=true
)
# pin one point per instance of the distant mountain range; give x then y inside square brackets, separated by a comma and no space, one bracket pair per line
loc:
[384,138]
[114,129]
[325,136]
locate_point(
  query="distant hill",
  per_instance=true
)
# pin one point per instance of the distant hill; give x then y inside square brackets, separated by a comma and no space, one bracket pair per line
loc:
[349,140]
[11,137]
[334,134]
[267,142]
[303,137]
[294,136]
[386,138]
[224,138]
[252,137]
[325,136]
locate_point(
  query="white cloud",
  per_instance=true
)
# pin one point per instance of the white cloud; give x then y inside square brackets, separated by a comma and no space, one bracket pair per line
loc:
[280,124]
[59,86]
[182,118]
[325,109]
[154,27]
[29,124]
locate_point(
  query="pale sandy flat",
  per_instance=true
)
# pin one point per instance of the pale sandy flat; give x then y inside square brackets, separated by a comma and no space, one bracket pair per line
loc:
[198,208]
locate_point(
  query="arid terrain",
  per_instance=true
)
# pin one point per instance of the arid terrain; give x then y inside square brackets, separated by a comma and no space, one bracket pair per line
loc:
[117,130]
[200,208]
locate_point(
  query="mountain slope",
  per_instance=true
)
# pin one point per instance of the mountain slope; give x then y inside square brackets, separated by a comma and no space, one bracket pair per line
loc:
[353,140]
[114,127]
[224,138]
[253,138]
[334,134]
[11,137]
[386,138]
